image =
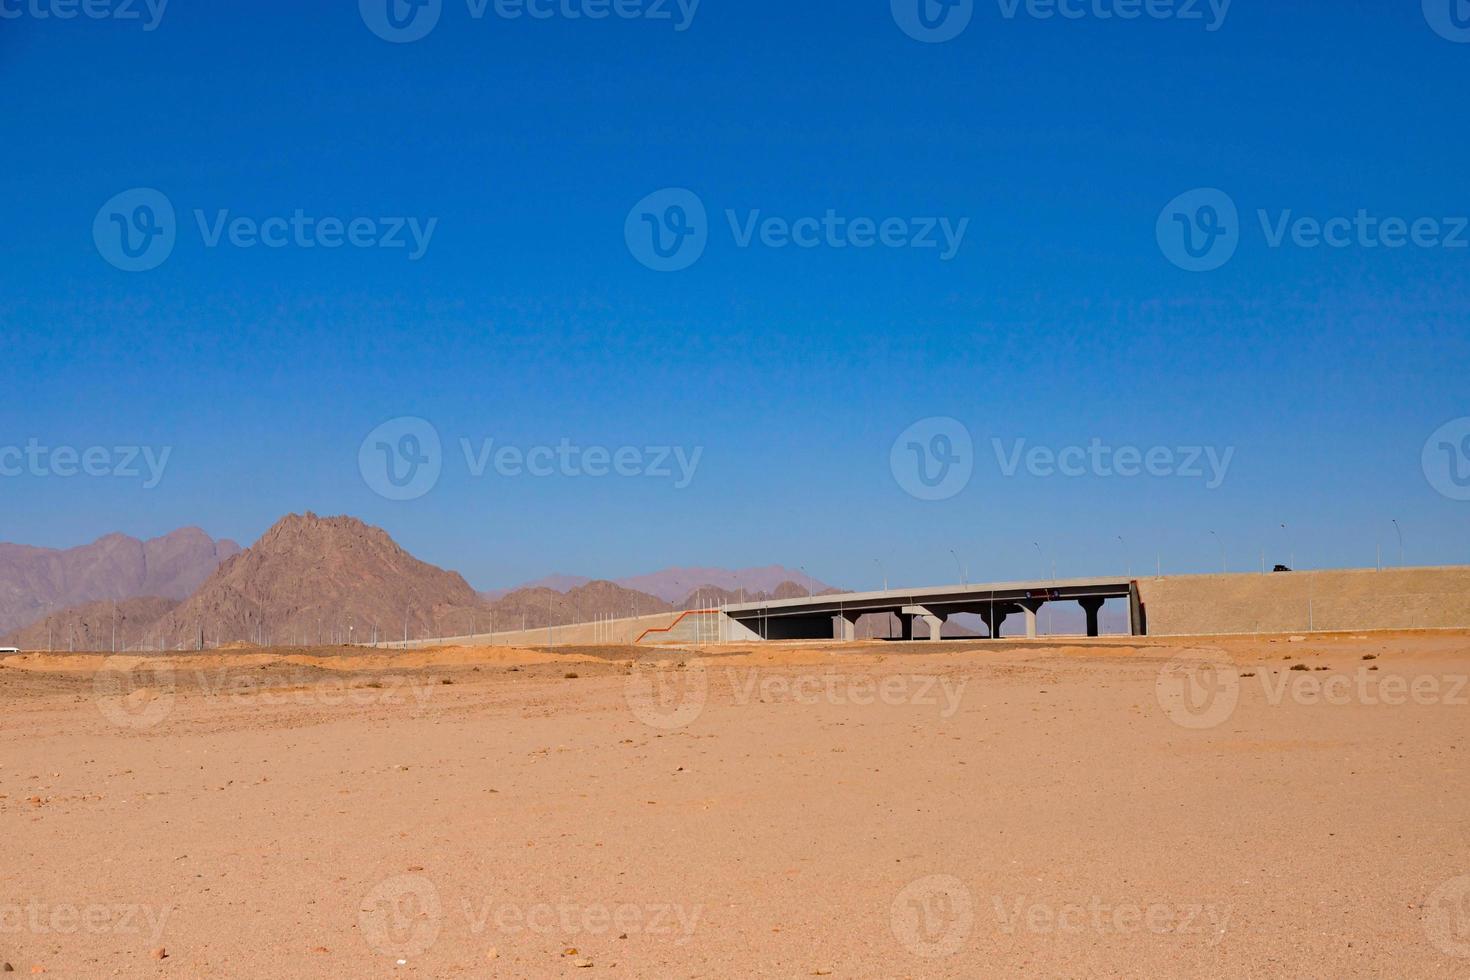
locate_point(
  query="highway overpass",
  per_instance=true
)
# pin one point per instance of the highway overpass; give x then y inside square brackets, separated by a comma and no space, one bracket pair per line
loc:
[836,616]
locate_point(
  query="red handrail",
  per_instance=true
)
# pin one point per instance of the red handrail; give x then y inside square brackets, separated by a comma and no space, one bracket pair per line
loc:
[669,628]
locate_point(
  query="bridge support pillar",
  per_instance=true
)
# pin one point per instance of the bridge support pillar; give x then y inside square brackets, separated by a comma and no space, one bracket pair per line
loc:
[1031,607]
[1092,606]
[934,620]
[995,617]
[905,626]
[847,626]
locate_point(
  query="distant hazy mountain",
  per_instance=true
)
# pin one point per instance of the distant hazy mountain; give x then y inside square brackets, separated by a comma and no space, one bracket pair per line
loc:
[530,608]
[674,585]
[38,581]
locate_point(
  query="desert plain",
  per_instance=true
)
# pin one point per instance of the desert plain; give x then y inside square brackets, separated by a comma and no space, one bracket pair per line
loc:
[1118,807]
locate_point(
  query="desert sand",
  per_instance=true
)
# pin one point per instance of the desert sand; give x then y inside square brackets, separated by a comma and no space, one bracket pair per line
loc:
[1115,807]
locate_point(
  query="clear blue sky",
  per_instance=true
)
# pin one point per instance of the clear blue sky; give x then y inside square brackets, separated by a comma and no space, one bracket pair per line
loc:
[529,320]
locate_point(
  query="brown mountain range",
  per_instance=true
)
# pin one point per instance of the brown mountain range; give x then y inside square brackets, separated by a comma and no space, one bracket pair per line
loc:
[38,581]
[313,580]
[126,624]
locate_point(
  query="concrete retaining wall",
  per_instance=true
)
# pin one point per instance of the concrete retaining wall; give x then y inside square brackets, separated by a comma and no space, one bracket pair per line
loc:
[1292,602]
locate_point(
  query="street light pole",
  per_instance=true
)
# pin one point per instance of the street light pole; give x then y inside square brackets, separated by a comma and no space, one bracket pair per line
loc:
[1224,566]
[1401,541]
[1128,562]
[958,567]
[880,572]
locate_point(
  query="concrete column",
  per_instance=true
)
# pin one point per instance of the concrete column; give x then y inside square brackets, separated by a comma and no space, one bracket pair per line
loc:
[935,623]
[847,626]
[1031,607]
[1091,606]
[905,626]
[995,618]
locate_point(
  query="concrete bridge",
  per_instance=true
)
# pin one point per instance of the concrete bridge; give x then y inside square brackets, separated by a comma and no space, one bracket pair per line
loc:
[836,616]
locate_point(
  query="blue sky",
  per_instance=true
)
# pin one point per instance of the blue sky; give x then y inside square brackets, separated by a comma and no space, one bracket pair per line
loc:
[529,320]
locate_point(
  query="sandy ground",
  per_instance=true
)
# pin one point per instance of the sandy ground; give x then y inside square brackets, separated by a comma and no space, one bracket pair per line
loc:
[1099,808]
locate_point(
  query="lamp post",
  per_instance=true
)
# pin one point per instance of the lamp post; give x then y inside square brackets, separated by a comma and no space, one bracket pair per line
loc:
[1224,567]
[964,579]
[1127,562]
[1401,541]
[880,572]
